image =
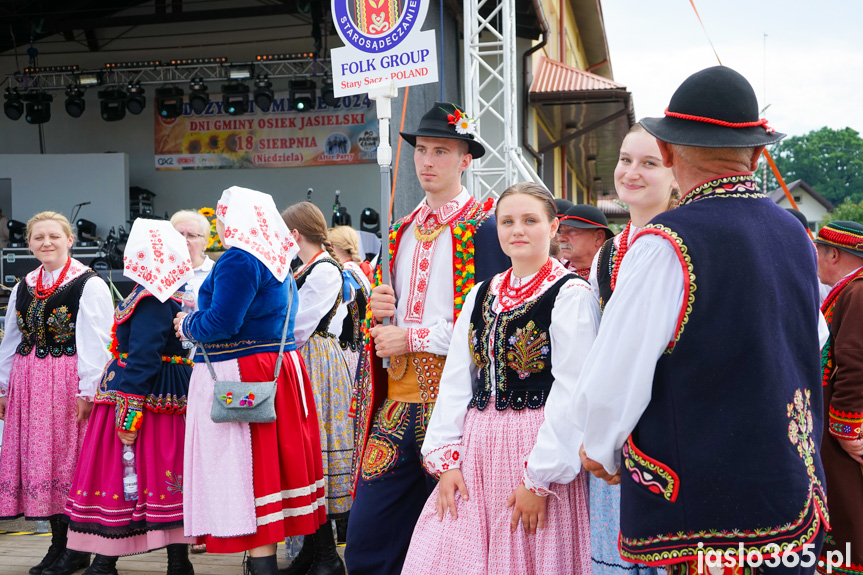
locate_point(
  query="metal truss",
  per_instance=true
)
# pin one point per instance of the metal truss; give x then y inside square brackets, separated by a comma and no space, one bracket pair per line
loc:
[491,88]
[117,75]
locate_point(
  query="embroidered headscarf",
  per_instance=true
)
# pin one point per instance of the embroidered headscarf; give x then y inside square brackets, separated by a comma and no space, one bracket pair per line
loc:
[157,257]
[254,225]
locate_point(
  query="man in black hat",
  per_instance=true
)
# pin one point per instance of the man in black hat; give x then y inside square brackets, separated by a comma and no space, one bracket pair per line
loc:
[840,264]
[438,252]
[703,382]
[583,229]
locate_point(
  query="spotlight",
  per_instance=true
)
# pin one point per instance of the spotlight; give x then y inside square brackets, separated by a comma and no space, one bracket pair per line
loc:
[38,108]
[89,79]
[302,94]
[169,101]
[235,98]
[75,103]
[263,93]
[135,98]
[328,94]
[239,72]
[13,107]
[198,97]
[112,103]
[17,231]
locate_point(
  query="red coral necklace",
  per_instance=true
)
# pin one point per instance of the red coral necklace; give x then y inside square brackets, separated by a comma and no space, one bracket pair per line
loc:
[523,291]
[621,251]
[43,293]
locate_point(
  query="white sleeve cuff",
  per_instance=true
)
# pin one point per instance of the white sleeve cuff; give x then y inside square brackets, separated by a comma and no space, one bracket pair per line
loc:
[444,458]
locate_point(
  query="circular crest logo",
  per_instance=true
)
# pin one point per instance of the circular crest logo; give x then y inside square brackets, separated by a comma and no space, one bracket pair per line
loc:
[376,26]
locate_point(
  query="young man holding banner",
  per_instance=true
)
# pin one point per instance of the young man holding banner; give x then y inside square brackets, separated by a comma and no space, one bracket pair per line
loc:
[438,252]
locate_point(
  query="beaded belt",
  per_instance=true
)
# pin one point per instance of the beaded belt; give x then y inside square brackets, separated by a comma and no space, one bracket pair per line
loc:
[166,358]
[415,377]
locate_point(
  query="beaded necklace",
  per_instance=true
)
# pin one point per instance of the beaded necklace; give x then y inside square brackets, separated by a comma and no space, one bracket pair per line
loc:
[621,251]
[42,293]
[522,292]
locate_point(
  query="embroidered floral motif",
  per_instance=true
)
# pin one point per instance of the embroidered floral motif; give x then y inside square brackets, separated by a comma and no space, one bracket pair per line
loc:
[380,456]
[169,404]
[175,484]
[61,325]
[845,424]
[689,285]
[443,459]
[669,548]
[528,351]
[651,474]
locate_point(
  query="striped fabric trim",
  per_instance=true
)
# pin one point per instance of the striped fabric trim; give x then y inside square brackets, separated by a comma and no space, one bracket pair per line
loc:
[292,512]
[289,494]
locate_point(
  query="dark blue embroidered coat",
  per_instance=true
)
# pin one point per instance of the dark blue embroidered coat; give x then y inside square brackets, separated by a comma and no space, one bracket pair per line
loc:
[148,369]
[242,309]
[727,449]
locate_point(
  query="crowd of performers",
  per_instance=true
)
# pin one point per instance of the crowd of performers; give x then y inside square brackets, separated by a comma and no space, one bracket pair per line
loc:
[556,399]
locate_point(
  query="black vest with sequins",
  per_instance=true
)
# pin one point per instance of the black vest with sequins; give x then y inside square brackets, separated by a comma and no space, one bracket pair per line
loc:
[521,374]
[49,324]
[604,268]
[323,328]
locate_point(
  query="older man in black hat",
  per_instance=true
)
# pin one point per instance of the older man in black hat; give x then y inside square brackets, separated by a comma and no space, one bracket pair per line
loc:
[840,264]
[582,231]
[438,252]
[703,383]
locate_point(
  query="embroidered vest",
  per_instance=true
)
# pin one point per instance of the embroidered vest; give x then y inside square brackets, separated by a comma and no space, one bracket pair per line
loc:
[521,375]
[352,334]
[604,268]
[49,324]
[726,450]
[323,328]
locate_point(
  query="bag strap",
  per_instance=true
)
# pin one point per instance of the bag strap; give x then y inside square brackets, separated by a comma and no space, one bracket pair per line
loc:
[290,279]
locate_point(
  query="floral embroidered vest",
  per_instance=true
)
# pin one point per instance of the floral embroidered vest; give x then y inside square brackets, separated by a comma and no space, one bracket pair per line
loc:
[323,328]
[521,374]
[49,324]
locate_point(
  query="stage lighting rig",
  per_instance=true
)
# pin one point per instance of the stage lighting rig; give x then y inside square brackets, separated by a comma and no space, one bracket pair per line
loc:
[13,107]
[38,108]
[75,103]
[263,93]
[235,98]
[135,98]
[169,101]
[112,104]
[302,94]
[198,96]
[328,94]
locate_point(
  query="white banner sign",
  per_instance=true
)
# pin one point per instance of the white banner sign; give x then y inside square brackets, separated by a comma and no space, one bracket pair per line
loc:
[383,42]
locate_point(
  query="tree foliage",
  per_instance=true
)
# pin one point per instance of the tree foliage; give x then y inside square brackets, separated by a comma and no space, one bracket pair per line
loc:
[831,161]
[846,211]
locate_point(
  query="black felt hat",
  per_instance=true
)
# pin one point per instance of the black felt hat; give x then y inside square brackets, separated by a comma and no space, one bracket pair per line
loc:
[562,205]
[441,122]
[713,108]
[588,217]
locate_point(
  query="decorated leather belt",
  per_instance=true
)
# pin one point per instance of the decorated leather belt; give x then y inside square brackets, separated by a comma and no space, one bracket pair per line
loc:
[415,377]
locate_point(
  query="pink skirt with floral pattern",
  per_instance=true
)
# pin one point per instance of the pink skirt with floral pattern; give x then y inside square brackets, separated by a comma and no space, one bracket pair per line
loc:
[479,542]
[42,438]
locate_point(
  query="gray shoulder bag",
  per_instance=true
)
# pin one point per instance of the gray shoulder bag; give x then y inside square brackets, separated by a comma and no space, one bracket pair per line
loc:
[251,401]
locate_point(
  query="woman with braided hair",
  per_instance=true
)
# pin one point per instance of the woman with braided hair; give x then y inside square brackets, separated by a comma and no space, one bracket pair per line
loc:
[321,284]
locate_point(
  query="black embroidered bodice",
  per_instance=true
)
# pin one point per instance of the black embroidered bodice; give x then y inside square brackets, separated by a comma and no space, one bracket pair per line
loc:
[604,268]
[352,335]
[521,374]
[49,324]
[323,328]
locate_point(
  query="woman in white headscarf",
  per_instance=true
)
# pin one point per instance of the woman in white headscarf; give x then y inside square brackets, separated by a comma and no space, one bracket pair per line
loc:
[250,485]
[139,414]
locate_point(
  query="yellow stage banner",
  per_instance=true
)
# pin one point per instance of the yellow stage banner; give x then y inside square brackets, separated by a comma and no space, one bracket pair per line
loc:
[279,138]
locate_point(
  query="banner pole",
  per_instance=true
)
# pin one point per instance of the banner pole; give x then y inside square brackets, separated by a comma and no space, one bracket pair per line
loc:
[383,103]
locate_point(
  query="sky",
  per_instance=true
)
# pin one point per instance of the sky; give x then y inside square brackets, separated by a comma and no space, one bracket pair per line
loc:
[810,75]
